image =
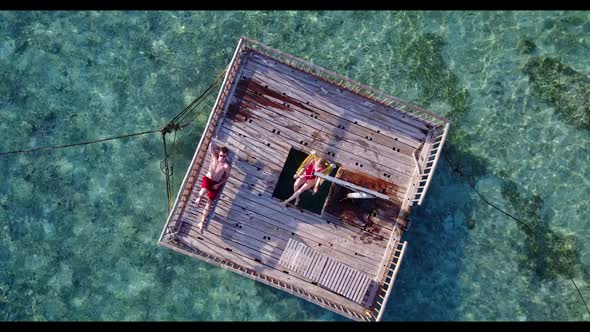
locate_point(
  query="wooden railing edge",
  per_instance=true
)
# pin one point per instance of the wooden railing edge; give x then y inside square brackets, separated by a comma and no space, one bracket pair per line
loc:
[391,281]
[204,137]
[433,168]
[182,247]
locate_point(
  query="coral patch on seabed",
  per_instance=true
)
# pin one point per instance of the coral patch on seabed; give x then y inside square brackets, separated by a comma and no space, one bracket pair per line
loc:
[564,88]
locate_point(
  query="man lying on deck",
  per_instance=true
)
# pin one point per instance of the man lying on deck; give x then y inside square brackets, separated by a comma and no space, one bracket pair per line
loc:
[216,176]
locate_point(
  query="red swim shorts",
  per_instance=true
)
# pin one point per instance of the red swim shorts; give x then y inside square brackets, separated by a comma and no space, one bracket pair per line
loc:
[208,183]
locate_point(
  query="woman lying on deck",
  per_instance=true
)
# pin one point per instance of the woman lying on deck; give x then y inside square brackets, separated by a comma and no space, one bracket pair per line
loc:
[305,179]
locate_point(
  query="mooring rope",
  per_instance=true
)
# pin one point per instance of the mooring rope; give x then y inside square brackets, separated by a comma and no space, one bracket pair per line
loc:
[173,125]
[533,231]
[77,144]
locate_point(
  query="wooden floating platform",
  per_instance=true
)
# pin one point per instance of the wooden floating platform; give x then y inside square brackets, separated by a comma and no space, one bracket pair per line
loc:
[271,102]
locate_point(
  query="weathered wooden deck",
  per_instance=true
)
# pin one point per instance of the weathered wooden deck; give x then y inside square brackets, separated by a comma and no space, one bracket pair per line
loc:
[266,108]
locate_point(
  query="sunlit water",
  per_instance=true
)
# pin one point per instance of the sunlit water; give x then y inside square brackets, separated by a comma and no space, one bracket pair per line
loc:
[79,226]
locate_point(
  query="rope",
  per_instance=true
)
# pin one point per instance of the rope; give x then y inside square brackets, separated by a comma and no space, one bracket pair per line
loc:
[167,173]
[579,293]
[169,169]
[173,158]
[533,231]
[192,106]
[81,143]
[173,125]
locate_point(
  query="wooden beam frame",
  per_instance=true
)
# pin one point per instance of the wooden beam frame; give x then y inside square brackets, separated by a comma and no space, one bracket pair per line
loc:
[351,186]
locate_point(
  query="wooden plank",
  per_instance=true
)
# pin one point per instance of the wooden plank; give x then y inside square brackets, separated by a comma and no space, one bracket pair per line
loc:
[363,105]
[318,264]
[366,289]
[330,229]
[344,286]
[304,263]
[308,259]
[277,242]
[290,138]
[259,162]
[275,153]
[340,278]
[340,253]
[344,277]
[295,262]
[326,273]
[319,259]
[266,205]
[349,111]
[294,132]
[281,147]
[237,235]
[337,91]
[312,260]
[266,151]
[301,259]
[339,127]
[339,153]
[310,256]
[286,255]
[294,102]
[213,249]
[352,284]
[340,288]
[362,289]
[312,101]
[298,82]
[269,270]
[334,276]
[284,227]
[346,234]
[256,248]
[357,287]
[237,72]
[317,125]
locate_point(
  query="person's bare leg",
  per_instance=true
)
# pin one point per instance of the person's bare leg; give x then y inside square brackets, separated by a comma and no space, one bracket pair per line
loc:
[201,193]
[298,183]
[201,224]
[296,187]
[306,186]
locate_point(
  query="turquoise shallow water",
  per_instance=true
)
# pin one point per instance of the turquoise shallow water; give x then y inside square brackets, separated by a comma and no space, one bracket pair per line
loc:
[78,226]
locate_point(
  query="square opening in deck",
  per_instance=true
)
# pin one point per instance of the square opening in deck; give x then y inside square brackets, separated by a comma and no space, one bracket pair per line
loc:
[284,188]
